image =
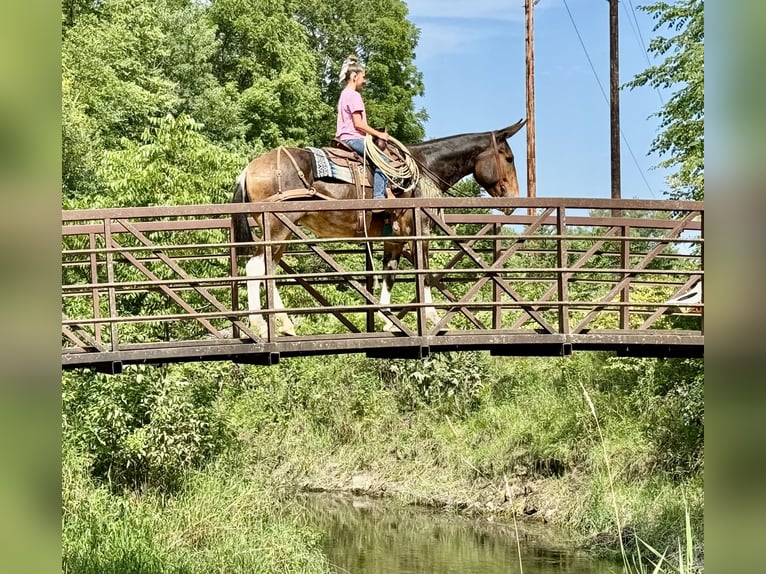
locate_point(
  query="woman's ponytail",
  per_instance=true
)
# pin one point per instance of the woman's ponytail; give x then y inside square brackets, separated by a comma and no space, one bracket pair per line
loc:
[350,64]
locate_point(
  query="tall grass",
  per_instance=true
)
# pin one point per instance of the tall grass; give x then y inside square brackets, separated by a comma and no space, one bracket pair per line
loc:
[658,561]
[221,520]
[413,435]
[519,437]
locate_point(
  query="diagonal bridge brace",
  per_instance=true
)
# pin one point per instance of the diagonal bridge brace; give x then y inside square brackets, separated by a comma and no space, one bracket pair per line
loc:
[444,290]
[84,340]
[358,287]
[645,260]
[693,280]
[576,265]
[494,277]
[172,294]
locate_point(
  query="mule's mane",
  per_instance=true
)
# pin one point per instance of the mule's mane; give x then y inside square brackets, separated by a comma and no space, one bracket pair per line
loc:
[468,137]
[427,188]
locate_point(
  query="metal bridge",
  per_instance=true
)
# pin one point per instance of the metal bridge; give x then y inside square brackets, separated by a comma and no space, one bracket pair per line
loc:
[523,276]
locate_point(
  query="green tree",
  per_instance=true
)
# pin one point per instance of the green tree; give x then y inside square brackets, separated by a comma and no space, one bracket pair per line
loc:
[682,118]
[249,74]
[111,58]
[126,63]
[265,52]
[172,164]
[189,62]
[380,34]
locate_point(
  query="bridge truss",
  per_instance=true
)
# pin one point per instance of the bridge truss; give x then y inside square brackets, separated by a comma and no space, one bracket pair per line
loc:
[512,276]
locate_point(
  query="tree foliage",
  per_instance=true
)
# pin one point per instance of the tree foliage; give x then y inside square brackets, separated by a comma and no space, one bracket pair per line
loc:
[228,78]
[682,118]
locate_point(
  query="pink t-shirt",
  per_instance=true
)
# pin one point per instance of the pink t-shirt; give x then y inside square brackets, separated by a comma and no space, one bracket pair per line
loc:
[350,101]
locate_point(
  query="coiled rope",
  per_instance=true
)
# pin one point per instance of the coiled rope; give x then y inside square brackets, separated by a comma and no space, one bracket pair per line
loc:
[407,174]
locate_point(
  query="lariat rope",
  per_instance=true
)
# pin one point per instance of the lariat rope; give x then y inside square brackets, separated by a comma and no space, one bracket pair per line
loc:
[397,175]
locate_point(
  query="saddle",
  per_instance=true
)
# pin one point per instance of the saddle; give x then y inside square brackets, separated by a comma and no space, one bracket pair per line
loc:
[341,163]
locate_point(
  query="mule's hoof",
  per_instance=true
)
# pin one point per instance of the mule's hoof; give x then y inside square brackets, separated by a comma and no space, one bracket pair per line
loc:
[228,333]
[391,328]
[262,331]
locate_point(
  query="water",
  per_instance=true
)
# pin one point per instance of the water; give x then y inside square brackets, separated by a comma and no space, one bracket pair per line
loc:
[368,536]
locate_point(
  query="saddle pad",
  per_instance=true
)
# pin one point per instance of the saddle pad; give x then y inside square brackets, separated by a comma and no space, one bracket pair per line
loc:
[324,168]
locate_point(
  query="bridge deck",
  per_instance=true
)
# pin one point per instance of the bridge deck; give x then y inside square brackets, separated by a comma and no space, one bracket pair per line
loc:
[154,285]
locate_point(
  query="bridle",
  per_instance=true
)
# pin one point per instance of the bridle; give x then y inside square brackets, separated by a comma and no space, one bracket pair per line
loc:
[499,166]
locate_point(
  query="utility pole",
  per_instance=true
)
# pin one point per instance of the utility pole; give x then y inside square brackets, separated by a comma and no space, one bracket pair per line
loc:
[614,92]
[530,60]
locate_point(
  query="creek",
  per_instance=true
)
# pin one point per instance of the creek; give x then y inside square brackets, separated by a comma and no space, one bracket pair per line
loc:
[364,535]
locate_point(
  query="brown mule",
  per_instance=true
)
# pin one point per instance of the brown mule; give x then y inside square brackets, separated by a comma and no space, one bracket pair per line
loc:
[289,170]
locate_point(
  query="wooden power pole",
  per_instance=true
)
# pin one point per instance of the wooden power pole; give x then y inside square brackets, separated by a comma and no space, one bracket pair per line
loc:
[614,92]
[530,60]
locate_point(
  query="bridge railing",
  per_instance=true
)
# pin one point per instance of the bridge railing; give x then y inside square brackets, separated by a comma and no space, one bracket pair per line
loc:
[591,272]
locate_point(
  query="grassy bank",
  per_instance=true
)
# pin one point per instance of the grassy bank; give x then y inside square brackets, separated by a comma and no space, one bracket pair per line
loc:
[464,431]
[220,521]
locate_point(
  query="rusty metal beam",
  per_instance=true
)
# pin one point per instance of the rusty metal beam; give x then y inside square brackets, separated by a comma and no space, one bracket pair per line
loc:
[104,248]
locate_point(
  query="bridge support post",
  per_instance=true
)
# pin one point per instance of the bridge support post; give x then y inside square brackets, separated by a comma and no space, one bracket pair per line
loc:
[109,368]
[263,359]
[370,284]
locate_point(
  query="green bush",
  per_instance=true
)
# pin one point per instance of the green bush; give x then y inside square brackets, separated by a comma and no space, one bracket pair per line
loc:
[144,428]
[450,383]
[668,397]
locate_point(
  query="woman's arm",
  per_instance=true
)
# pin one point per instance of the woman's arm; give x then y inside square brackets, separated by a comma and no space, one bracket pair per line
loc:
[363,127]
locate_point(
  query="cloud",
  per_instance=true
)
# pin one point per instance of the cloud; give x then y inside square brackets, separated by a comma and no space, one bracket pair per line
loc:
[450,27]
[437,39]
[465,10]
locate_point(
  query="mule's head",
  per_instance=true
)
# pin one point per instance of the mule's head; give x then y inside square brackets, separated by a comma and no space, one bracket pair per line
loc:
[495,168]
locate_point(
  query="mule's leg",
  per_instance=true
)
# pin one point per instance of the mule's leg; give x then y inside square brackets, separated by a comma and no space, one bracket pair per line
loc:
[391,254]
[286,326]
[256,267]
[432,317]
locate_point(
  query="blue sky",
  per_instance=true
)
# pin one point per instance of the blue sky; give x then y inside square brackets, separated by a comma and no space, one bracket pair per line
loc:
[471,54]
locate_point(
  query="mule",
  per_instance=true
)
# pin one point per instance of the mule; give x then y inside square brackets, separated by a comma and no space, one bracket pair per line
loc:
[288,172]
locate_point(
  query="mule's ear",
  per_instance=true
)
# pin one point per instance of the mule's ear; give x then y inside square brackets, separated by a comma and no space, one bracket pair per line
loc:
[505,133]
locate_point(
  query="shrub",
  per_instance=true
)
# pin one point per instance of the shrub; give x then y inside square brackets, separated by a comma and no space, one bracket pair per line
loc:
[450,383]
[146,427]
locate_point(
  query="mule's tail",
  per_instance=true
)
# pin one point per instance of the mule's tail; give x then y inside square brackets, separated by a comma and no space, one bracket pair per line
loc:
[242,231]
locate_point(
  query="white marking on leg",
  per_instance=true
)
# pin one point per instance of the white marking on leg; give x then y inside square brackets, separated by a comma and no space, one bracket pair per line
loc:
[256,267]
[432,317]
[385,299]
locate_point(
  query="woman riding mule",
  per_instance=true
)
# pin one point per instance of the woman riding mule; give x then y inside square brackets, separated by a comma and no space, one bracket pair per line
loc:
[351,125]
[286,172]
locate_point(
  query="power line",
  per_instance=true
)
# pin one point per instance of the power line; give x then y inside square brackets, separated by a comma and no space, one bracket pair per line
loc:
[592,67]
[637,30]
[606,98]
[642,44]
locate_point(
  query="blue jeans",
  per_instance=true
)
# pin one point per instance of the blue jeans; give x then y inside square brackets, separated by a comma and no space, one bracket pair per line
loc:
[379,179]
